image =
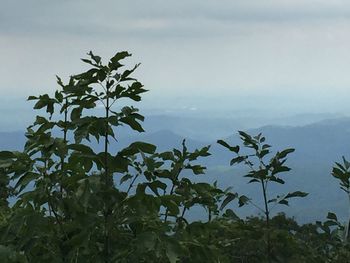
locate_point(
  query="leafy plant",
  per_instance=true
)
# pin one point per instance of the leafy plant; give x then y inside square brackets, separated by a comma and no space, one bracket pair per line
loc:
[263,171]
[69,207]
[341,171]
[78,199]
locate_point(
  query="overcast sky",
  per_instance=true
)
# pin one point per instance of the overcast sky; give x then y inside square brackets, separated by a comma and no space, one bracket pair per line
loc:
[288,53]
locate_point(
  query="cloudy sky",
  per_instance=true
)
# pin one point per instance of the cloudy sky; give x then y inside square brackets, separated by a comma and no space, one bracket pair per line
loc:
[288,55]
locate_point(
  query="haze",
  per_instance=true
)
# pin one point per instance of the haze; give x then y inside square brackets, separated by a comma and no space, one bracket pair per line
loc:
[271,58]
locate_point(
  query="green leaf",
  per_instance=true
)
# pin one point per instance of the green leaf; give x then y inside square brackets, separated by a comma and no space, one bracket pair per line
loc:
[7,155]
[114,63]
[243,200]
[234,149]
[81,148]
[169,201]
[25,179]
[196,169]
[332,216]
[137,147]
[173,252]
[32,98]
[228,199]
[125,178]
[76,113]
[280,169]
[120,55]
[132,123]
[238,159]
[296,194]
[284,153]
[283,202]
[95,58]
[230,214]
[155,185]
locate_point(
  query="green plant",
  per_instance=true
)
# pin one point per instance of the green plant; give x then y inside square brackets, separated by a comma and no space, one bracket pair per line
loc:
[264,170]
[81,197]
[69,207]
[341,171]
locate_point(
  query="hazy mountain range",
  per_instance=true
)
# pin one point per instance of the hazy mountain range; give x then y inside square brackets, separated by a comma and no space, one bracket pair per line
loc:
[318,146]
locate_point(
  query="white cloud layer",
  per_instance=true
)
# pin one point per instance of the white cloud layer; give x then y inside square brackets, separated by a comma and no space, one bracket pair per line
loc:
[290,50]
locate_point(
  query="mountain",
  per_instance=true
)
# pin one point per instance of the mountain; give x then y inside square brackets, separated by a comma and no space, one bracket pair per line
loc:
[13,141]
[317,145]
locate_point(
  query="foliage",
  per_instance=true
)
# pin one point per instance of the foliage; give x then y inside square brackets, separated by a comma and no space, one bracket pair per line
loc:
[79,201]
[263,172]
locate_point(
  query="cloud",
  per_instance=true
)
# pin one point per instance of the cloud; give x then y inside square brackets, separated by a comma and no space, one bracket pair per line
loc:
[194,47]
[158,17]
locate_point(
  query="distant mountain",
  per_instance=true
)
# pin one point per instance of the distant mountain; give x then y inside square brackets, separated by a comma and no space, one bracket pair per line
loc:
[317,146]
[205,127]
[12,140]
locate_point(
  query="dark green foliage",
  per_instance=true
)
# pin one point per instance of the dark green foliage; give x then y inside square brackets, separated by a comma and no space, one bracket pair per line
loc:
[75,204]
[264,169]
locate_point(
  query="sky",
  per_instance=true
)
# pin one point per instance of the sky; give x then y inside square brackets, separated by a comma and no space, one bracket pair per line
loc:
[278,56]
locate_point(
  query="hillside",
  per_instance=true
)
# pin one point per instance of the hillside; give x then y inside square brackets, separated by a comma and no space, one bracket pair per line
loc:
[317,146]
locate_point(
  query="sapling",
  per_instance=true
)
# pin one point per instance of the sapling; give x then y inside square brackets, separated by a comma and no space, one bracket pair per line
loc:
[264,169]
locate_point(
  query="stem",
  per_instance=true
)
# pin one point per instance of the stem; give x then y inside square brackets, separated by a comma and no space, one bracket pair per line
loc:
[347,228]
[108,179]
[106,136]
[132,183]
[183,212]
[167,210]
[267,214]
[171,192]
[64,139]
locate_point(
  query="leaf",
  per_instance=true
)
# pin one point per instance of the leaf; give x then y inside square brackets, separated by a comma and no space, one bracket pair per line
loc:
[25,180]
[248,140]
[203,152]
[81,148]
[283,202]
[132,123]
[243,200]
[125,178]
[76,113]
[196,169]
[228,199]
[120,55]
[169,201]
[276,179]
[173,252]
[280,169]
[296,194]
[167,156]
[126,73]
[332,216]
[137,147]
[230,214]
[254,180]
[155,185]
[238,159]
[284,153]
[226,145]
[32,98]
[7,155]
[95,58]
[83,192]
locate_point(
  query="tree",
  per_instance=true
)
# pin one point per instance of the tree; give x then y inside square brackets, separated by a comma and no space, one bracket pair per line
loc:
[342,173]
[69,207]
[263,172]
